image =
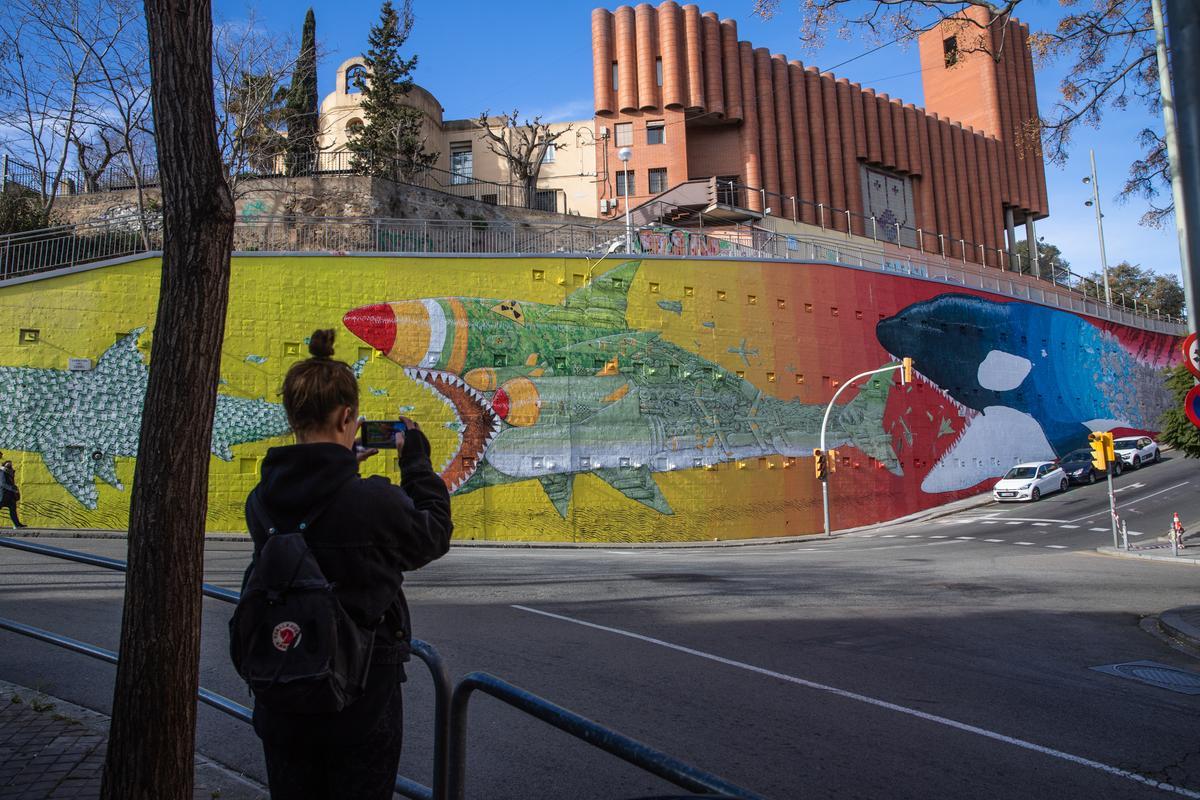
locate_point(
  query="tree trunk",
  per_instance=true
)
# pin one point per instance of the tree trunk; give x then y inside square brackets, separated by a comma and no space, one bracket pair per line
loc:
[152,735]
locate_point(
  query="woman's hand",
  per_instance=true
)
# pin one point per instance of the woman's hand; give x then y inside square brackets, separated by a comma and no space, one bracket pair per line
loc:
[409,424]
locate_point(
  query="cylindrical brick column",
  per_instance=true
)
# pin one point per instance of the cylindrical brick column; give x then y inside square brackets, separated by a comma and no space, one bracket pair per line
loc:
[954,212]
[647,52]
[783,126]
[602,58]
[714,79]
[887,136]
[962,170]
[1008,91]
[852,180]
[731,66]
[914,144]
[995,169]
[874,137]
[833,150]
[937,179]
[693,50]
[752,172]
[1025,164]
[768,135]
[900,131]
[987,211]
[627,82]
[860,122]
[674,88]
[927,217]
[816,127]
[1039,168]
[803,141]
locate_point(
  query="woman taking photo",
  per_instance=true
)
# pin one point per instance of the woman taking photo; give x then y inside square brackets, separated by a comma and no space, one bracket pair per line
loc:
[367,533]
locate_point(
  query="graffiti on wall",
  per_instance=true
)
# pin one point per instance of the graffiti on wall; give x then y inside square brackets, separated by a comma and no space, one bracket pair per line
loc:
[545,392]
[1032,381]
[672,242]
[79,422]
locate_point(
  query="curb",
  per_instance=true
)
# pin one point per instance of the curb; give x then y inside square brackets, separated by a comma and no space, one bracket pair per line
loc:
[1187,560]
[1175,623]
[920,516]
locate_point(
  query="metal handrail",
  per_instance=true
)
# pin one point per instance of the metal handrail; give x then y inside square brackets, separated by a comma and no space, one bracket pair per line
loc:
[423,650]
[634,752]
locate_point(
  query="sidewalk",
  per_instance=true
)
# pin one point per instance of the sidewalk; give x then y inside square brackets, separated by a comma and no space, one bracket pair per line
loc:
[50,748]
[1159,550]
[1182,623]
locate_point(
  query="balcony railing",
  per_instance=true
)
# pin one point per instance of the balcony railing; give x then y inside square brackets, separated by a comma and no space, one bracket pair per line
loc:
[67,246]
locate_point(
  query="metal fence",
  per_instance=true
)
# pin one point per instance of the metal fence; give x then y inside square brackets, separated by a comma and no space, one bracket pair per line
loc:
[66,246]
[450,706]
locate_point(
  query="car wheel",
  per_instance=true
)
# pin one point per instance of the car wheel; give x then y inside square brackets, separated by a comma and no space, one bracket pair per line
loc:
[1091,477]
[1118,468]
[1137,462]
[1157,456]
[1035,495]
[1062,485]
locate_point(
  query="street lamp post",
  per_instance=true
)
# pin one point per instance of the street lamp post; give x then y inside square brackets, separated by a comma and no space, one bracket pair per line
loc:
[624,154]
[905,367]
[1095,201]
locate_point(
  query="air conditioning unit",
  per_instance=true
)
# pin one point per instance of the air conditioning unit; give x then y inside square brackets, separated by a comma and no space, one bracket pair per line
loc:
[603,206]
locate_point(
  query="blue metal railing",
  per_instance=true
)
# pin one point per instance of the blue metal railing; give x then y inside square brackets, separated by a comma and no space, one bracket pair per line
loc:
[450,708]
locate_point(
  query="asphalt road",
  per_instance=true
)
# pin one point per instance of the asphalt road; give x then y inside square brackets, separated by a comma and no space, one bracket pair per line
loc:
[947,658]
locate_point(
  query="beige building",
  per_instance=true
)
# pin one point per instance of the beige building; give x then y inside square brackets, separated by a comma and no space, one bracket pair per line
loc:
[466,165]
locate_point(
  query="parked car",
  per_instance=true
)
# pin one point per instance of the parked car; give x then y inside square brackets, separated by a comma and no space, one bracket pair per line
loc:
[1078,466]
[1030,481]
[1137,450]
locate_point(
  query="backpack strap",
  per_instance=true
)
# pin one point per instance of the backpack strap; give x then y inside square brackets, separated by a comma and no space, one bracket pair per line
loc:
[260,512]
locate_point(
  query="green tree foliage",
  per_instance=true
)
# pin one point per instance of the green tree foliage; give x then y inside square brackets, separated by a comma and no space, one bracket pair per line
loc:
[20,211]
[302,120]
[1174,427]
[1049,258]
[1130,282]
[391,141]
[256,103]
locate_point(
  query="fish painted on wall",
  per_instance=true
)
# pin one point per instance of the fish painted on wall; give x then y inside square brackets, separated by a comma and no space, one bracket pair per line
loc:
[1032,381]
[79,422]
[544,392]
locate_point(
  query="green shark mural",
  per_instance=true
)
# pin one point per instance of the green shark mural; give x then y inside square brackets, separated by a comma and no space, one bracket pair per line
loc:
[544,392]
[79,422]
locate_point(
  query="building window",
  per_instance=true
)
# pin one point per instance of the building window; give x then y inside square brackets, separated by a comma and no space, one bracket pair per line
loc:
[658,70]
[624,181]
[356,74]
[658,180]
[614,76]
[656,132]
[354,127]
[462,164]
[545,200]
[624,134]
[950,50]
[550,154]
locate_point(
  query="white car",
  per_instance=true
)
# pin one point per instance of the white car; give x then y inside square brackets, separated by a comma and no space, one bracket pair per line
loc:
[1030,481]
[1137,450]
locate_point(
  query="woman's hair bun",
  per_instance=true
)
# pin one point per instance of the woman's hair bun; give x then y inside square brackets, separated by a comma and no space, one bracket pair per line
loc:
[320,344]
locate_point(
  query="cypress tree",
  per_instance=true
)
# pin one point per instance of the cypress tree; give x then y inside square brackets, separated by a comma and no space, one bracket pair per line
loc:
[302,119]
[390,143]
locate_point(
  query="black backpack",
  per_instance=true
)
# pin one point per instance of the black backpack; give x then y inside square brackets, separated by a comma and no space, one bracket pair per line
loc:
[290,638]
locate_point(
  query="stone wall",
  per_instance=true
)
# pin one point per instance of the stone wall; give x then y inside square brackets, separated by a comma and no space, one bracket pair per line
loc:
[322,196]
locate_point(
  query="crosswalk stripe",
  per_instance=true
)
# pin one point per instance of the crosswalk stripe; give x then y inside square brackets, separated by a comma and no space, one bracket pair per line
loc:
[1102,530]
[995,541]
[1057,546]
[1026,544]
[1068,526]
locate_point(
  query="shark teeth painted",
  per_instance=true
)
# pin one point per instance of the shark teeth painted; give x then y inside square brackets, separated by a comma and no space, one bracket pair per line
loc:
[478,423]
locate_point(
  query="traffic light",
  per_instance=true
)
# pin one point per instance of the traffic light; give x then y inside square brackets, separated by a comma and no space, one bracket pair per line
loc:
[831,457]
[906,370]
[819,464]
[1102,449]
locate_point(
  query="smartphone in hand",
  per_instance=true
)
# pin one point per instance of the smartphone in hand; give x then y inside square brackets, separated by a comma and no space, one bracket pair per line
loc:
[381,434]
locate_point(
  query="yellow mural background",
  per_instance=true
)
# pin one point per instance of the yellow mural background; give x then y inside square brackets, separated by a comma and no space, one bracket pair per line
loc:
[276,302]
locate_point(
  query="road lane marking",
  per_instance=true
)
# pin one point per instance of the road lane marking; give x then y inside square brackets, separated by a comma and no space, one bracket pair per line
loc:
[1068,526]
[888,536]
[995,541]
[1057,546]
[1131,502]
[913,536]
[939,537]
[879,703]
[990,522]
[1130,486]
[1041,524]
[1024,544]
[1013,523]
[964,537]
[1101,530]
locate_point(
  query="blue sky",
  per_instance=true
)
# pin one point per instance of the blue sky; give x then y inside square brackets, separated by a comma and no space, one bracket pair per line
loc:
[535,55]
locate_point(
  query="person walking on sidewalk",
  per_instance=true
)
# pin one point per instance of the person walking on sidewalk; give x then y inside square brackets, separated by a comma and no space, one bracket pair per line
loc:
[368,535]
[9,493]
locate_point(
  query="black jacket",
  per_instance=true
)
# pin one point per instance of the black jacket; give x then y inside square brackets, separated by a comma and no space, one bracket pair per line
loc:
[370,533]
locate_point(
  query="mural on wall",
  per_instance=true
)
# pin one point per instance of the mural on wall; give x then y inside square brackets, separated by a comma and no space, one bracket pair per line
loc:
[79,422]
[544,392]
[1032,381]
[665,399]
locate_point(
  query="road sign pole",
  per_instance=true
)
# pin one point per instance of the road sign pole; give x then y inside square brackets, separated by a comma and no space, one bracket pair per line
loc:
[1112,505]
